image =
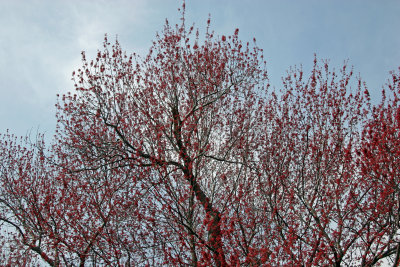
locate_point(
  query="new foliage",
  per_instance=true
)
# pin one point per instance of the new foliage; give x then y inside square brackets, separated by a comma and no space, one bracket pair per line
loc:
[187,157]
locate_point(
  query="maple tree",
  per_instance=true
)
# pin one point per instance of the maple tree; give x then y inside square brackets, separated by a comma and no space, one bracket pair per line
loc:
[188,157]
[380,174]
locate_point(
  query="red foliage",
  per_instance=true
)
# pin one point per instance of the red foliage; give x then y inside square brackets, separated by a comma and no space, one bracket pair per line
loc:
[186,157]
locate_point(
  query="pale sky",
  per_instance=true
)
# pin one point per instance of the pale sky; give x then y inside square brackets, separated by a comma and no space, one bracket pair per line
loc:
[41,41]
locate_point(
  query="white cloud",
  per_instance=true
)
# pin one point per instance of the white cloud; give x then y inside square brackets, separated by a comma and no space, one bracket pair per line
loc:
[40,46]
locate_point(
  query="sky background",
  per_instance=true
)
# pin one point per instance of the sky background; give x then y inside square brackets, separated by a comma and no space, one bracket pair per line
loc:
[41,41]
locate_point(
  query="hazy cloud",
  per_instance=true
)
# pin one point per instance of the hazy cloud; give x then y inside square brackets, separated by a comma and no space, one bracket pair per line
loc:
[41,41]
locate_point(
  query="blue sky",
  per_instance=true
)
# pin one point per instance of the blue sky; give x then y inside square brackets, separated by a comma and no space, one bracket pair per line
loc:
[41,41]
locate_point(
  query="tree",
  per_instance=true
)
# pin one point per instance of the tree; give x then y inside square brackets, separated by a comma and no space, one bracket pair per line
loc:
[327,209]
[187,157]
[380,169]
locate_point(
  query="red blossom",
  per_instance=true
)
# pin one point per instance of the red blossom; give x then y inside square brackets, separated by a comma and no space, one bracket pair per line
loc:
[187,157]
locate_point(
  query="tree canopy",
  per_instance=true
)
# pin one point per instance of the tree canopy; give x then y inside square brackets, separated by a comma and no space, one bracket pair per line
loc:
[188,156]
